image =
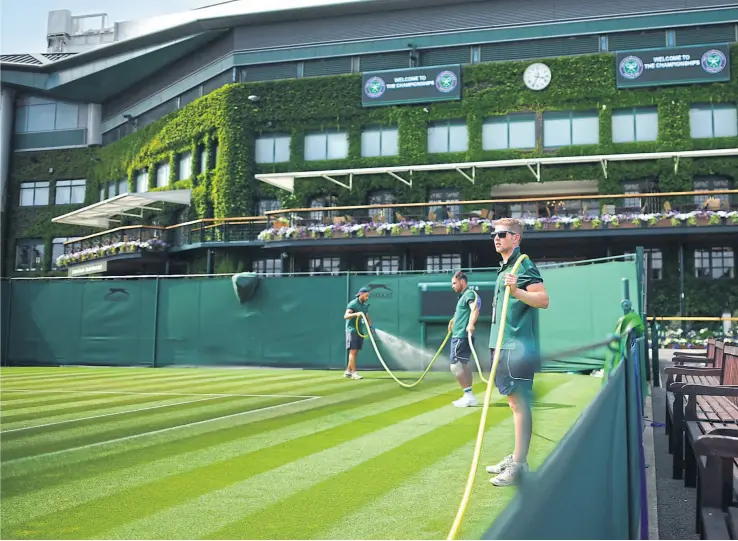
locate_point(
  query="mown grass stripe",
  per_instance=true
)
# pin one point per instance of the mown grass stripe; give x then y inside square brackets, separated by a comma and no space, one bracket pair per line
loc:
[27,473]
[137,425]
[440,484]
[92,483]
[83,420]
[347,489]
[156,496]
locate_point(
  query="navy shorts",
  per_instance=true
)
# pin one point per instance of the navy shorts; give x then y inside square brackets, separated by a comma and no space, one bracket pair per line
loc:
[513,375]
[460,350]
[353,340]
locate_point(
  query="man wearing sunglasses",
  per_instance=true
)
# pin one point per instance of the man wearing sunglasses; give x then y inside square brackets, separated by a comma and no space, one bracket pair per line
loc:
[520,350]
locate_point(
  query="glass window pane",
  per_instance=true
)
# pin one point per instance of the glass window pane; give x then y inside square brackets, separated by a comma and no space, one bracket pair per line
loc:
[203,160]
[264,150]
[315,146]
[26,198]
[142,182]
[41,118]
[63,194]
[21,120]
[647,126]
[122,186]
[370,143]
[41,197]
[556,132]
[66,116]
[700,122]
[78,194]
[522,133]
[162,175]
[337,146]
[586,130]
[185,166]
[623,130]
[282,149]
[458,138]
[726,121]
[390,145]
[438,139]
[494,135]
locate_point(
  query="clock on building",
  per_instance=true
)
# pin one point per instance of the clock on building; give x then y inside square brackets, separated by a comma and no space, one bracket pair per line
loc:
[537,76]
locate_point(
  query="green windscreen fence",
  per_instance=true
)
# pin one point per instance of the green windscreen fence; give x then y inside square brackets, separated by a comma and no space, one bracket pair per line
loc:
[289,321]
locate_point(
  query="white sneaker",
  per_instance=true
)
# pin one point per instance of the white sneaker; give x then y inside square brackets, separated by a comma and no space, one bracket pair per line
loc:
[355,376]
[347,374]
[501,466]
[466,401]
[510,476]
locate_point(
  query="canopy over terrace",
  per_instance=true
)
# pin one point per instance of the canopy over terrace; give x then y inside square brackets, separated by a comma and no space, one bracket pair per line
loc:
[404,173]
[102,214]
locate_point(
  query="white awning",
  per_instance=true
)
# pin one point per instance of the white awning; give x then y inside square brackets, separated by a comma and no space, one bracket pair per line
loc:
[102,213]
[286,181]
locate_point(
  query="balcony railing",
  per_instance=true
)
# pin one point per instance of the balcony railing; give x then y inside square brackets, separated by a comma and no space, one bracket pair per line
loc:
[543,213]
[144,238]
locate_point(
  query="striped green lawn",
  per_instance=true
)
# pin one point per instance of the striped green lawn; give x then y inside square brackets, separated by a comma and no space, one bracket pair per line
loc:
[120,453]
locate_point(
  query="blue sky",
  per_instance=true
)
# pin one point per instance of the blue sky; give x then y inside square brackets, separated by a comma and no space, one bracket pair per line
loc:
[23,22]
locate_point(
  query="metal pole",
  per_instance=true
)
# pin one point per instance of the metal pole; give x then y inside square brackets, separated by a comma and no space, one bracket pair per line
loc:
[626,289]
[655,354]
[682,300]
[628,439]
[348,299]
[156,323]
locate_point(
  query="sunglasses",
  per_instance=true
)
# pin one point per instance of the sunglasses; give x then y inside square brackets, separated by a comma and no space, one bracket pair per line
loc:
[500,234]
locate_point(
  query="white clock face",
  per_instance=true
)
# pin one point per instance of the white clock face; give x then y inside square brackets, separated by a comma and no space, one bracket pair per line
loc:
[537,76]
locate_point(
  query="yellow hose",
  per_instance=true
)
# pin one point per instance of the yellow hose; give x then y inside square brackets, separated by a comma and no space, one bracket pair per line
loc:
[485,408]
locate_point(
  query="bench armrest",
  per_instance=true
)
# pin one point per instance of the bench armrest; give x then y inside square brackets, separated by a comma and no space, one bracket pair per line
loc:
[709,390]
[722,445]
[692,371]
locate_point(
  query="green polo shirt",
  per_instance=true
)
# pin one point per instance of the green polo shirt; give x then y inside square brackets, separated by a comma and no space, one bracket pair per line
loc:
[356,306]
[521,325]
[463,312]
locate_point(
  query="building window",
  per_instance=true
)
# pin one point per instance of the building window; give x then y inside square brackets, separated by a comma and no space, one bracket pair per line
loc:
[203,159]
[384,264]
[70,192]
[654,262]
[162,175]
[638,187]
[57,249]
[142,181]
[34,194]
[448,136]
[326,146]
[268,205]
[123,186]
[382,197]
[711,184]
[185,166]
[102,193]
[713,120]
[322,215]
[526,210]
[29,255]
[441,263]
[511,131]
[273,148]
[444,212]
[325,264]
[714,263]
[635,125]
[42,115]
[270,267]
[379,141]
[562,129]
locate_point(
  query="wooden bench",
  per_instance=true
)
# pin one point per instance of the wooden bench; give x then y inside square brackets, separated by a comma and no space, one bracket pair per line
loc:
[706,357]
[716,516]
[677,377]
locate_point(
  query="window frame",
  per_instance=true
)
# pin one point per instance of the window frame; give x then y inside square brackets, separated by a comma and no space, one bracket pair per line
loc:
[67,186]
[33,244]
[435,263]
[447,125]
[36,186]
[570,116]
[713,107]
[507,120]
[708,255]
[325,136]
[373,261]
[634,112]
[381,130]
[272,138]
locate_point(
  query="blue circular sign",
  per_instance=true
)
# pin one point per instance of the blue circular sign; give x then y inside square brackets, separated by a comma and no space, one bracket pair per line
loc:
[446,81]
[631,67]
[375,87]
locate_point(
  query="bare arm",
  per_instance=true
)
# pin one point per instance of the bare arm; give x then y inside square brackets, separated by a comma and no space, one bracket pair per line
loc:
[350,314]
[535,296]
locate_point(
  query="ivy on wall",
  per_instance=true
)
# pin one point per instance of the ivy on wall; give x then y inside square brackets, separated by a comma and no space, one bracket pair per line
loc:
[228,121]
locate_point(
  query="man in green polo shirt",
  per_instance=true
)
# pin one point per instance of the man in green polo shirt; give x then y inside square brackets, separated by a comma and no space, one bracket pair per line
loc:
[354,341]
[520,349]
[463,323]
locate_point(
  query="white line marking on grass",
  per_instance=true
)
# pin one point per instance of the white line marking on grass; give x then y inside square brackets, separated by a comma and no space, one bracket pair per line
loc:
[160,431]
[109,414]
[81,391]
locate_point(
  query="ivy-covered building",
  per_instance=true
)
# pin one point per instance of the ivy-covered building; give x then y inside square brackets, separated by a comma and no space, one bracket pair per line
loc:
[387,135]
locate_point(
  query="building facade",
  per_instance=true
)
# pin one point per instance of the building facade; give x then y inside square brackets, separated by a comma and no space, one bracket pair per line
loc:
[228,123]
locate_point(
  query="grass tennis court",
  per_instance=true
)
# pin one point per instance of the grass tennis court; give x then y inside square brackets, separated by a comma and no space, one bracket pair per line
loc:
[255,454]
